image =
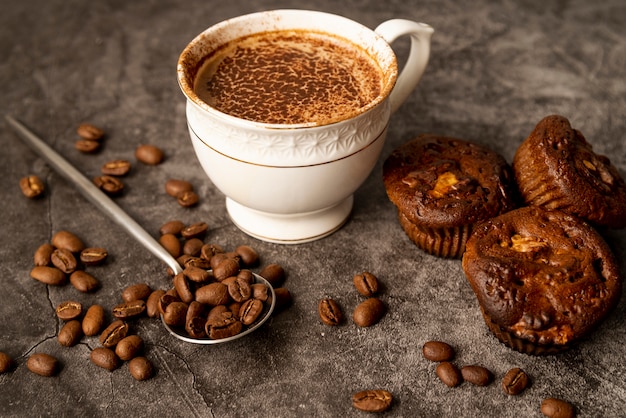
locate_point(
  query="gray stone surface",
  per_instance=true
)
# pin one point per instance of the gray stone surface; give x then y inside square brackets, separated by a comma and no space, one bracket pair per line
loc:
[496,69]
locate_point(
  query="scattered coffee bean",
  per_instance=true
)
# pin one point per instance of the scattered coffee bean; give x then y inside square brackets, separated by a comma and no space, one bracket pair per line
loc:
[369,312]
[149,154]
[83,281]
[127,310]
[70,334]
[87,147]
[175,187]
[32,186]
[437,351]
[172,227]
[140,368]
[67,240]
[64,260]
[188,199]
[6,363]
[93,321]
[138,291]
[515,381]
[366,284]
[477,375]
[43,254]
[69,310]
[378,400]
[449,374]
[557,408]
[43,364]
[90,132]
[105,358]
[48,275]
[273,273]
[93,256]
[129,347]
[330,312]
[109,185]
[114,333]
[283,299]
[117,168]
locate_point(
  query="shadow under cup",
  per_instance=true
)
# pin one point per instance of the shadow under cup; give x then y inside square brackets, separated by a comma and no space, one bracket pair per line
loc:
[287,183]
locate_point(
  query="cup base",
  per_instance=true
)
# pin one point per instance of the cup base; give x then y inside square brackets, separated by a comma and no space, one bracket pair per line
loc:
[295,228]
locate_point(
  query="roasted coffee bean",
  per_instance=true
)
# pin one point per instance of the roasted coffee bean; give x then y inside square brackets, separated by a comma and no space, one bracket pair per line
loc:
[93,256]
[250,311]
[172,227]
[217,259]
[64,260]
[171,243]
[188,199]
[198,262]
[449,374]
[109,184]
[249,256]
[273,273]
[127,310]
[43,364]
[209,250]
[234,308]
[224,325]
[197,274]
[70,334]
[247,276]
[116,168]
[83,281]
[105,357]
[260,291]
[175,314]
[69,310]
[228,267]
[437,351]
[197,230]
[6,363]
[152,304]
[174,187]
[165,300]
[183,289]
[213,294]
[378,400]
[138,291]
[93,321]
[515,381]
[87,147]
[239,290]
[67,240]
[48,275]
[43,254]
[149,154]
[89,132]
[216,311]
[557,408]
[114,333]
[129,347]
[195,322]
[366,283]
[283,299]
[330,312]
[32,186]
[477,375]
[140,368]
[368,312]
[193,246]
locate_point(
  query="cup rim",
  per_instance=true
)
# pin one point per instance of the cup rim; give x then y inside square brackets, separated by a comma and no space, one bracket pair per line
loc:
[201,46]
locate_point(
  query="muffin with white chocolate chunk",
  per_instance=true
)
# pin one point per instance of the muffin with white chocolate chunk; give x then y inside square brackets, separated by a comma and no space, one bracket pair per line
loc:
[442,187]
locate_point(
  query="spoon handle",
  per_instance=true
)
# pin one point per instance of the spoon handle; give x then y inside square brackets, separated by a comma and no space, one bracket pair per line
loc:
[92,193]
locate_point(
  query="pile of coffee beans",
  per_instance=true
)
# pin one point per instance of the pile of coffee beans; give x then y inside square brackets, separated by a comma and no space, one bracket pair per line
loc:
[513,383]
[365,314]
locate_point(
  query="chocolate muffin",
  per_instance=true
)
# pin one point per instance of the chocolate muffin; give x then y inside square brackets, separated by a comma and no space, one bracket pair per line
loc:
[543,279]
[442,186]
[556,168]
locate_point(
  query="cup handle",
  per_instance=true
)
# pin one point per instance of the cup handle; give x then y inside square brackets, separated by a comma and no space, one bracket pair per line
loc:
[419,53]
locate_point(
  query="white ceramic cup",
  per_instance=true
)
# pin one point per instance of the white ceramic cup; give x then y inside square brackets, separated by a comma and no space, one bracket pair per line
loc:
[295,183]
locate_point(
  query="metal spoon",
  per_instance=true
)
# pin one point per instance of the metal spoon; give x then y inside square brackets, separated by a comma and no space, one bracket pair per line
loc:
[115,213]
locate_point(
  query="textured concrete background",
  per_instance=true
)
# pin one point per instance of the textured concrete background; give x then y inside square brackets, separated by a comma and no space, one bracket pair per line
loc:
[496,69]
